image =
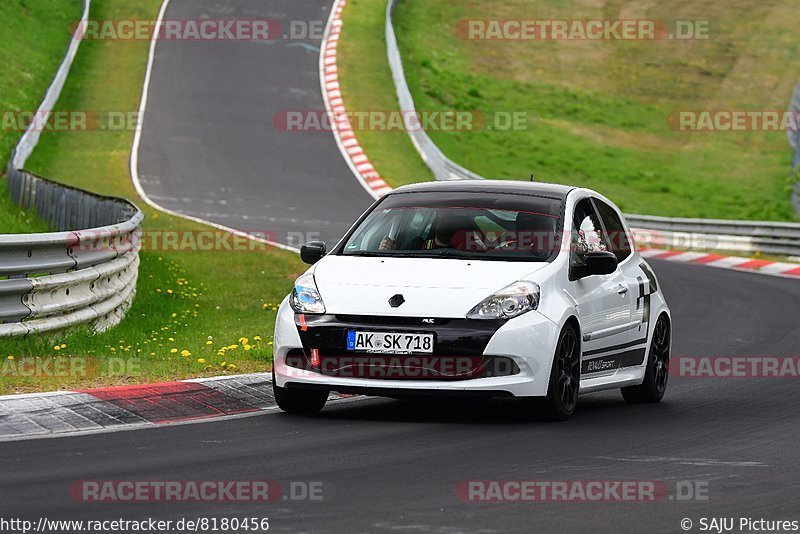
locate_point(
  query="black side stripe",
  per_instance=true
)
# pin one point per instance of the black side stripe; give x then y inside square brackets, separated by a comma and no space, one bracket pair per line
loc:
[616,348]
[631,358]
[651,277]
[644,297]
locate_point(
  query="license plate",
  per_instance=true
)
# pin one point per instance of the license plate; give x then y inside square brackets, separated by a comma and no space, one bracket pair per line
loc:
[390,342]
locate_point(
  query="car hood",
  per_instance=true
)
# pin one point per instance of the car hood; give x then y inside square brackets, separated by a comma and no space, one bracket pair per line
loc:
[431,287]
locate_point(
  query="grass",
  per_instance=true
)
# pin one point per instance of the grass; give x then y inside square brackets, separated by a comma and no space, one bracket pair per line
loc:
[366,83]
[15,220]
[597,111]
[213,305]
[30,58]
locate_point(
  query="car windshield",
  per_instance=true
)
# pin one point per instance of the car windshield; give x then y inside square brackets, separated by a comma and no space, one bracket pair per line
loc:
[491,226]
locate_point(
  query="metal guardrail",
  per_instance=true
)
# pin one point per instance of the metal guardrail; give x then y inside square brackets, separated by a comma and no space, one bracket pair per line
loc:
[794,135]
[83,273]
[86,275]
[691,234]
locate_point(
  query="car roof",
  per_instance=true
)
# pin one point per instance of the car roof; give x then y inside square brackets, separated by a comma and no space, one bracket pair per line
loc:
[489,186]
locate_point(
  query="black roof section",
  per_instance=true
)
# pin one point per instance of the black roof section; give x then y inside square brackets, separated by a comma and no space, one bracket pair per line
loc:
[490,186]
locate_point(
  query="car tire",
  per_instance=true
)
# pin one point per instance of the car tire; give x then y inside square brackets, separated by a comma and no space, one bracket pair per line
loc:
[564,383]
[657,374]
[299,401]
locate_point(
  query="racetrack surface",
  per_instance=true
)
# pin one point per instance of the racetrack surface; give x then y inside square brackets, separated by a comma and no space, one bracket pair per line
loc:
[391,465]
[209,150]
[209,145]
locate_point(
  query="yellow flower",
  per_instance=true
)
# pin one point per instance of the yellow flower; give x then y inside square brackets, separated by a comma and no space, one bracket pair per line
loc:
[173,351]
[113,349]
[63,345]
[11,357]
[231,367]
[233,347]
[270,343]
[56,348]
[257,338]
[209,342]
[201,360]
[243,340]
[186,353]
[174,314]
[172,339]
[170,291]
[223,364]
[247,347]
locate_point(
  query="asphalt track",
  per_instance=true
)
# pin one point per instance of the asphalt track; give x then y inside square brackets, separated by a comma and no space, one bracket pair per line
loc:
[210,147]
[390,465]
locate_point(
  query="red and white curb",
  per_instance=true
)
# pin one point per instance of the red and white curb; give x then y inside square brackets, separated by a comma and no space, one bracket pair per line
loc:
[776,268]
[128,407]
[342,128]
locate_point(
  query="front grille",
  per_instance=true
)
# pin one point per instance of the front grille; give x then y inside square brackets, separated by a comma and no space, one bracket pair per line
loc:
[404,367]
[378,320]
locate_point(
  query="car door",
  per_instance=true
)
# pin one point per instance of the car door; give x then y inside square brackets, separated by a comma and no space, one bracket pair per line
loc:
[637,276]
[604,301]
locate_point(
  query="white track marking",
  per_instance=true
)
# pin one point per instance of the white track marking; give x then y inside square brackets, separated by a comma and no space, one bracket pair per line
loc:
[134,161]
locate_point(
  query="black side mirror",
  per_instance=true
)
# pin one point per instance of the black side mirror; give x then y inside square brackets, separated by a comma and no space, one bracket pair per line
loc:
[598,262]
[601,262]
[312,252]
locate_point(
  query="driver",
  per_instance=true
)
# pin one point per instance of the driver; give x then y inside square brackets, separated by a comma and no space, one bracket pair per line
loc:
[446,227]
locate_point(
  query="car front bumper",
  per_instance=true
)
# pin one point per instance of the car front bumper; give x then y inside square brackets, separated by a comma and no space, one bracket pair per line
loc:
[526,342]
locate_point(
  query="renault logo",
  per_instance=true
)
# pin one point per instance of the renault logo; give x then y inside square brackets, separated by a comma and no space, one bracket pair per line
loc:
[396,301]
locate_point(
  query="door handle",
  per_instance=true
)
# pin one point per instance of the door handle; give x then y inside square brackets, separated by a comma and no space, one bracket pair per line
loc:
[622,289]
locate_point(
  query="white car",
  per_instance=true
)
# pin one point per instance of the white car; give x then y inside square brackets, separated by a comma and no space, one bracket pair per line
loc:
[494,288]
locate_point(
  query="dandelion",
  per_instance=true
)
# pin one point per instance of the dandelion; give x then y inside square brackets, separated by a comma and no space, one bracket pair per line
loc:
[173,351]
[257,338]
[248,347]
[209,342]
[186,353]
[243,340]
[172,339]
[170,291]
[113,349]
[63,345]
[57,347]
[201,360]
[174,314]
[10,356]
[231,367]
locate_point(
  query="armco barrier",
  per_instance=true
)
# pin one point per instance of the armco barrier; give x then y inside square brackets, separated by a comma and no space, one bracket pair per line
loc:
[691,234]
[86,271]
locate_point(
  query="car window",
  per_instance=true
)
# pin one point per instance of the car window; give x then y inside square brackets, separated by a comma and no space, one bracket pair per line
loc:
[460,225]
[615,231]
[587,232]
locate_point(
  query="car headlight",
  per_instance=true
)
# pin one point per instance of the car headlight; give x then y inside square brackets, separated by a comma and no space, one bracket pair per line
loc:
[305,296]
[516,299]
